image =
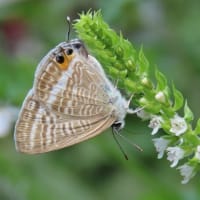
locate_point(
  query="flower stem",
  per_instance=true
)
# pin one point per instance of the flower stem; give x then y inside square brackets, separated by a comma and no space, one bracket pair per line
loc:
[161,102]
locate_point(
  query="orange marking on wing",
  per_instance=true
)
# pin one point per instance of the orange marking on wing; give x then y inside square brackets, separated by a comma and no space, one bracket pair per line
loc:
[65,64]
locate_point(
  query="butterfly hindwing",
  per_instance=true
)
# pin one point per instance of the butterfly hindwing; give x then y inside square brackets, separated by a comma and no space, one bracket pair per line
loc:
[38,130]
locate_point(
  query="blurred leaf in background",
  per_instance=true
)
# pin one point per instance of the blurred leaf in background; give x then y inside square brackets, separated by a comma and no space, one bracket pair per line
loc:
[169,32]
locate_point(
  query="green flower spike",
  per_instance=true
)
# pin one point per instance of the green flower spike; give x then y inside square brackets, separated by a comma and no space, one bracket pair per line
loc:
[161,103]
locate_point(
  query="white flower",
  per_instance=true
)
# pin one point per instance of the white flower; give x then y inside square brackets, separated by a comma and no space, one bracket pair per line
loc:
[178,125]
[143,115]
[8,115]
[197,153]
[174,154]
[160,96]
[155,124]
[160,145]
[187,171]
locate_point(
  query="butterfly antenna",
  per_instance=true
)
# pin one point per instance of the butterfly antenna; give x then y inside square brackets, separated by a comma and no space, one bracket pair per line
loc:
[69,28]
[128,141]
[114,132]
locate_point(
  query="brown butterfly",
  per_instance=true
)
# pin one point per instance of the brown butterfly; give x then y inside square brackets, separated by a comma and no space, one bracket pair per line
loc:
[71,100]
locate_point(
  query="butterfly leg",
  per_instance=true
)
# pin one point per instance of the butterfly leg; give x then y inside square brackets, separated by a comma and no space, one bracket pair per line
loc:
[116,83]
[131,111]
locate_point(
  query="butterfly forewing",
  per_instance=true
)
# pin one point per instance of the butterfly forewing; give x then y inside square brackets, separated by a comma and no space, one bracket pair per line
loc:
[77,91]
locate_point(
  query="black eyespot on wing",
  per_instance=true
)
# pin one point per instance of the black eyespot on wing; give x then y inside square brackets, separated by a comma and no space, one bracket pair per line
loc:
[60,59]
[69,51]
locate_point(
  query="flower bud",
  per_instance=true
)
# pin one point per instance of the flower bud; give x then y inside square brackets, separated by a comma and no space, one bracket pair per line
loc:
[160,97]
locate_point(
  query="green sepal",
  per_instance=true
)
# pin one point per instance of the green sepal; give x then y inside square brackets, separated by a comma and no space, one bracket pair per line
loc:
[188,115]
[178,98]
[143,63]
[197,128]
[161,80]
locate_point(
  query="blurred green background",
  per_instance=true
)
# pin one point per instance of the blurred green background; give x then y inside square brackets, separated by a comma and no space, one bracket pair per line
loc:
[170,34]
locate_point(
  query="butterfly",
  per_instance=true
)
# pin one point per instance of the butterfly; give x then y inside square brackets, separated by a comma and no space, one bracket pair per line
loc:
[71,100]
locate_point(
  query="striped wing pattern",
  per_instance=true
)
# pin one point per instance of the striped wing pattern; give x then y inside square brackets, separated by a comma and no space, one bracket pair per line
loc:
[40,130]
[64,107]
[72,91]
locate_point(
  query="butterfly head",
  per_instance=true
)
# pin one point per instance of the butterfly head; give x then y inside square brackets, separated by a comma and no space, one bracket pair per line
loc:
[118,125]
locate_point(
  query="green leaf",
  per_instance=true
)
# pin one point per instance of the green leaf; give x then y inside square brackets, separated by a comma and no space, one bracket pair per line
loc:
[178,98]
[188,115]
[130,85]
[143,63]
[161,80]
[197,129]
